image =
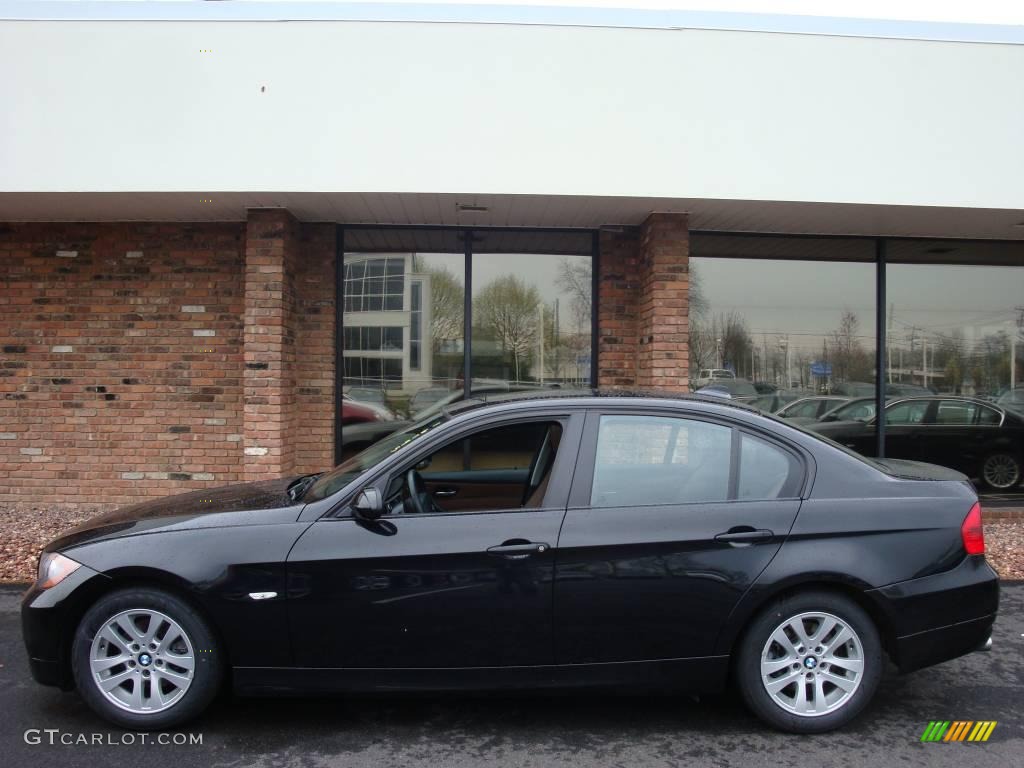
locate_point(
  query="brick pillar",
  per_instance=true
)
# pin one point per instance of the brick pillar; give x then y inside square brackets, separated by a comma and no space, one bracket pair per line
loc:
[271,253]
[643,322]
[618,294]
[663,357]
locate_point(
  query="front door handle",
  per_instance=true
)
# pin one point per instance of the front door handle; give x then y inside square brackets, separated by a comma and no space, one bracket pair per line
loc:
[519,550]
[743,534]
[446,492]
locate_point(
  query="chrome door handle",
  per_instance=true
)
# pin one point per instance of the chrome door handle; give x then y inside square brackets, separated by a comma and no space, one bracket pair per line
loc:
[744,535]
[518,551]
[444,492]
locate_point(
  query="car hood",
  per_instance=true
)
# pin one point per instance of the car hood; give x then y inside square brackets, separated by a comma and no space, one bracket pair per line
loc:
[244,503]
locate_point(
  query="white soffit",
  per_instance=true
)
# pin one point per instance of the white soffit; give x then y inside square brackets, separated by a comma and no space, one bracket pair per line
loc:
[520,211]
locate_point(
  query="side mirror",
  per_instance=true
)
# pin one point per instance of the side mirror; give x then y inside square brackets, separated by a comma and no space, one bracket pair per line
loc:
[368,504]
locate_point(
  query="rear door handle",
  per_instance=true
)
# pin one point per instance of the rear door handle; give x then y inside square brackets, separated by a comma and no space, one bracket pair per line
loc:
[744,535]
[518,551]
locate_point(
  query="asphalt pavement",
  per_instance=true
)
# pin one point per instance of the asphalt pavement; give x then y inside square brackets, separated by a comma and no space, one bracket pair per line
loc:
[45,727]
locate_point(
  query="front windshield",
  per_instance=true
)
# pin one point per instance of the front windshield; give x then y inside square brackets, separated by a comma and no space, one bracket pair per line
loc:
[333,481]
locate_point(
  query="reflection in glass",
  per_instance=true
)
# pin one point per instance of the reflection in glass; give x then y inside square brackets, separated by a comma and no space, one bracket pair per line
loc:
[955,336]
[955,329]
[403,327]
[531,320]
[794,328]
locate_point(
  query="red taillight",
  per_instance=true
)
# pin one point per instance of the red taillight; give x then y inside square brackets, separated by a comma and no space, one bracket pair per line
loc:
[972,532]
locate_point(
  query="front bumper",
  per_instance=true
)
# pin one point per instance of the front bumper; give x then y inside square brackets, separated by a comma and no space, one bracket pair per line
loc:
[49,618]
[943,616]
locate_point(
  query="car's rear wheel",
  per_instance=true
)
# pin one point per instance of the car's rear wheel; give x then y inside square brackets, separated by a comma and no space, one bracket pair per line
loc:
[144,659]
[1001,471]
[810,663]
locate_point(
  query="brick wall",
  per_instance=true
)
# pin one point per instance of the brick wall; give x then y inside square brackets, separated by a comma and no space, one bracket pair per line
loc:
[123,352]
[121,364]
[643,309]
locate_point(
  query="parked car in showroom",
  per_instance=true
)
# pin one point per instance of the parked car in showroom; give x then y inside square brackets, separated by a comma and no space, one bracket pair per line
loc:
[1012,398]
[359,437]
[772,402]
[740,390]
[810,408]
[537,542]
[353,412]
[975,437]
[370,396]
[855,409]
[709,375]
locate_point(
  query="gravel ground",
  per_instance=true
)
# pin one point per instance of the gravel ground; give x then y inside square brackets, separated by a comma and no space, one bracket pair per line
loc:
[24,529]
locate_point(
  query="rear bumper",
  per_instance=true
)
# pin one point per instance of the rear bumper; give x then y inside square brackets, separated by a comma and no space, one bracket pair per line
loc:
[940,617]
[937,645]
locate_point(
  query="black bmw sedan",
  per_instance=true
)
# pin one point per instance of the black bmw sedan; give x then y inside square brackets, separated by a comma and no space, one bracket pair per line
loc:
[542,542]
[982,440]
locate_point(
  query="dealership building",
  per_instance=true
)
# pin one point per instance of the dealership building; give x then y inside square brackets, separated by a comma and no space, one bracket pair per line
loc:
[218,220]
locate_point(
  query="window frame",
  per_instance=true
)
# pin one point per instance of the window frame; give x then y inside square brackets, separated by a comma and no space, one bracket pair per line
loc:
[583,477]
[468,235]
[557,492]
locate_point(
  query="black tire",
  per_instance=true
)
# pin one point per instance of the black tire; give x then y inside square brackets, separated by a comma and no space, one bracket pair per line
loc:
[208,663]
[1008,463]
[758,635]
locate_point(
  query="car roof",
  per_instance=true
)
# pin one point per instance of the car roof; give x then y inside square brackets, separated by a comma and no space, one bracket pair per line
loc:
[591,397]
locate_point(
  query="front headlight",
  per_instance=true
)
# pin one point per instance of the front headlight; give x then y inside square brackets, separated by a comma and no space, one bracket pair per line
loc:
[54,568]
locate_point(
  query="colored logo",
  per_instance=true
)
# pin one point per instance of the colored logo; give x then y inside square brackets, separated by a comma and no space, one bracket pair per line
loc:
[958,730]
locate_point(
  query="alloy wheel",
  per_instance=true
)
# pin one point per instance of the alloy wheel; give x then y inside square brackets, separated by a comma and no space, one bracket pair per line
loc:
[142,661]
[812,664]
[1001,471]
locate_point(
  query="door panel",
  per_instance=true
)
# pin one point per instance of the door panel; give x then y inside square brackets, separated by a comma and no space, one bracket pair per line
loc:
[423,591]
[640,583]
[477,489]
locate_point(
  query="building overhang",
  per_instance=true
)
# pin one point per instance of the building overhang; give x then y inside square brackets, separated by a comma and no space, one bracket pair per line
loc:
[490,210]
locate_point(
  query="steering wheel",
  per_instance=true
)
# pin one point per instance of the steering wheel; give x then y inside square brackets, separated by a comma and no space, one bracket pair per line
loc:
[417,490]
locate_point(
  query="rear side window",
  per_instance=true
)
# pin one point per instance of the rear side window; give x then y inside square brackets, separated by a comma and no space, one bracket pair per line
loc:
[645,460]
[766,471]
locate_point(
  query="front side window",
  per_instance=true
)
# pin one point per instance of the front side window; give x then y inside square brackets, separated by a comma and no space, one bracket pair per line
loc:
[503,468]
[645,460]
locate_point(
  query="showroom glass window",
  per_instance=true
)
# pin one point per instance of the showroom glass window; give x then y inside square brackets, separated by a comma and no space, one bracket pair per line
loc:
[532,310]
[787,317]
[403,317]
[404,323]
[955,328]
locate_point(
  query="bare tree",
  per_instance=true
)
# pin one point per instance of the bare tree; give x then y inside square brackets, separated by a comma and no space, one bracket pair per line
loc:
[575,278]
[850,361]
[508,308]
[447,297]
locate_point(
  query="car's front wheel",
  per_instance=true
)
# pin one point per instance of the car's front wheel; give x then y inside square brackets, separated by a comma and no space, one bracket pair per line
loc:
[810,662]
[144,659]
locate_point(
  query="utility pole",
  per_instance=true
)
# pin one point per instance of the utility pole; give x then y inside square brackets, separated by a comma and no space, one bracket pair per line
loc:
[924,359]
[541,310]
